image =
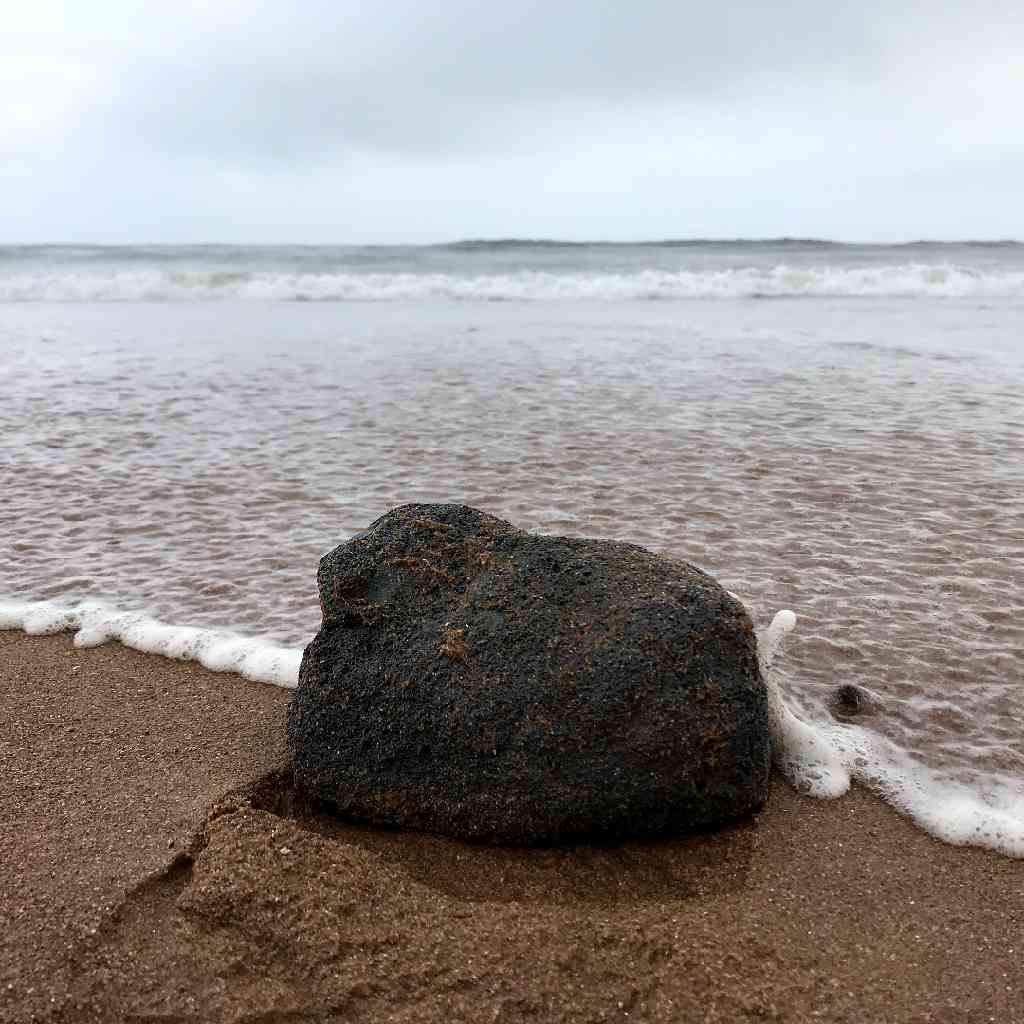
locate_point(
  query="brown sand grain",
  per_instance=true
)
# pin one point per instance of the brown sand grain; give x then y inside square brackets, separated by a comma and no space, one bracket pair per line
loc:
[156,867]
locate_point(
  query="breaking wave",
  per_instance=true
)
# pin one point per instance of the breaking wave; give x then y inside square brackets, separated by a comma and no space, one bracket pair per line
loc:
[161,284]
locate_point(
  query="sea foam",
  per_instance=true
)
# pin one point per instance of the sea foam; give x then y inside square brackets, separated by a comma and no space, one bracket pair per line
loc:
[94,623]
[821,759]
[154,284]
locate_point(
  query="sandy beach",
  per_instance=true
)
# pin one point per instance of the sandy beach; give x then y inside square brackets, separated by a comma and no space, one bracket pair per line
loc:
[157,867]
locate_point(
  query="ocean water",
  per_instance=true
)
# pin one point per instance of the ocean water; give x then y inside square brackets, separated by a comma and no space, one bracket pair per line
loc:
[836,430]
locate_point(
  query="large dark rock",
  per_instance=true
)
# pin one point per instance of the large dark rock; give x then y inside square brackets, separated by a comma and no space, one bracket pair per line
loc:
[476,680]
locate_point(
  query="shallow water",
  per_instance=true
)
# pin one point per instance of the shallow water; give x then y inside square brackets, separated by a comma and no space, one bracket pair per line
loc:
[855,459]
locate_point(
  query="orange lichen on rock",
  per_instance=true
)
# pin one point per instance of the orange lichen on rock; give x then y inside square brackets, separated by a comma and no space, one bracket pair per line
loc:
[453,643]
[421,566]
[429,524]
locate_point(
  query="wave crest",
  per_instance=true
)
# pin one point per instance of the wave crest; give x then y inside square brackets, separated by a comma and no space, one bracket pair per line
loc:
[156,284]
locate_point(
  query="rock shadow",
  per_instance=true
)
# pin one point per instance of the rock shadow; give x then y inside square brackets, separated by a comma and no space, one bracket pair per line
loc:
[599,874]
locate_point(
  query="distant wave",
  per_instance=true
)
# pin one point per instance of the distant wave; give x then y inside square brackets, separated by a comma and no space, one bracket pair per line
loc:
[163,284]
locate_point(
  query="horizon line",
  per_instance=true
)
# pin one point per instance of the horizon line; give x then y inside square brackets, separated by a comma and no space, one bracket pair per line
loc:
[469,243]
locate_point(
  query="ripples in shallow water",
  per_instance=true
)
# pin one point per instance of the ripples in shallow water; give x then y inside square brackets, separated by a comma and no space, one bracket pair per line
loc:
[196,462]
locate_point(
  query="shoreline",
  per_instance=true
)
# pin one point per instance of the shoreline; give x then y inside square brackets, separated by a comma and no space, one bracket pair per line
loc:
[138,882]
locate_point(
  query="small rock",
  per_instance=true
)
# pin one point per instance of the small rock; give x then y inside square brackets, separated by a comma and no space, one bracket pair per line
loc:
[473,679]
[851,700]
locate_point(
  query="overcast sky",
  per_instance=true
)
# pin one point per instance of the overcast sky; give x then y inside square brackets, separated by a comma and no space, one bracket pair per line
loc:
[431,120]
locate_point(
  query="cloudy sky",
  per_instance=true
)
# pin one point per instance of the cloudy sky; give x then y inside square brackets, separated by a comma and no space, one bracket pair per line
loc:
[430,120]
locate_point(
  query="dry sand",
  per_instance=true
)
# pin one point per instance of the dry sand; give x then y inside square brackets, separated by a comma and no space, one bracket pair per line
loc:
[155,867]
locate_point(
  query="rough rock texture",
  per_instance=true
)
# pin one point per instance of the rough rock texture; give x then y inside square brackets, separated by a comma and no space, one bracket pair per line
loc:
[479,681]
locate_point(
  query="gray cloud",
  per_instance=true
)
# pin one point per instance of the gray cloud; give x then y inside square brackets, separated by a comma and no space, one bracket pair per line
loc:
[439,77]
[594,105]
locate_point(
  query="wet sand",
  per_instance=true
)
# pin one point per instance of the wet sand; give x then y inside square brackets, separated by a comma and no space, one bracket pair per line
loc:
[156,867]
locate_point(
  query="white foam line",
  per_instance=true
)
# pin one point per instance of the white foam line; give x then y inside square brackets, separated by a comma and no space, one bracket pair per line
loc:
[94,623]
[821,760]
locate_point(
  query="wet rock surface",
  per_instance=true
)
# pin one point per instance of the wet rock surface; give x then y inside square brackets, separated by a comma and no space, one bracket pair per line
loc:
[475,680]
